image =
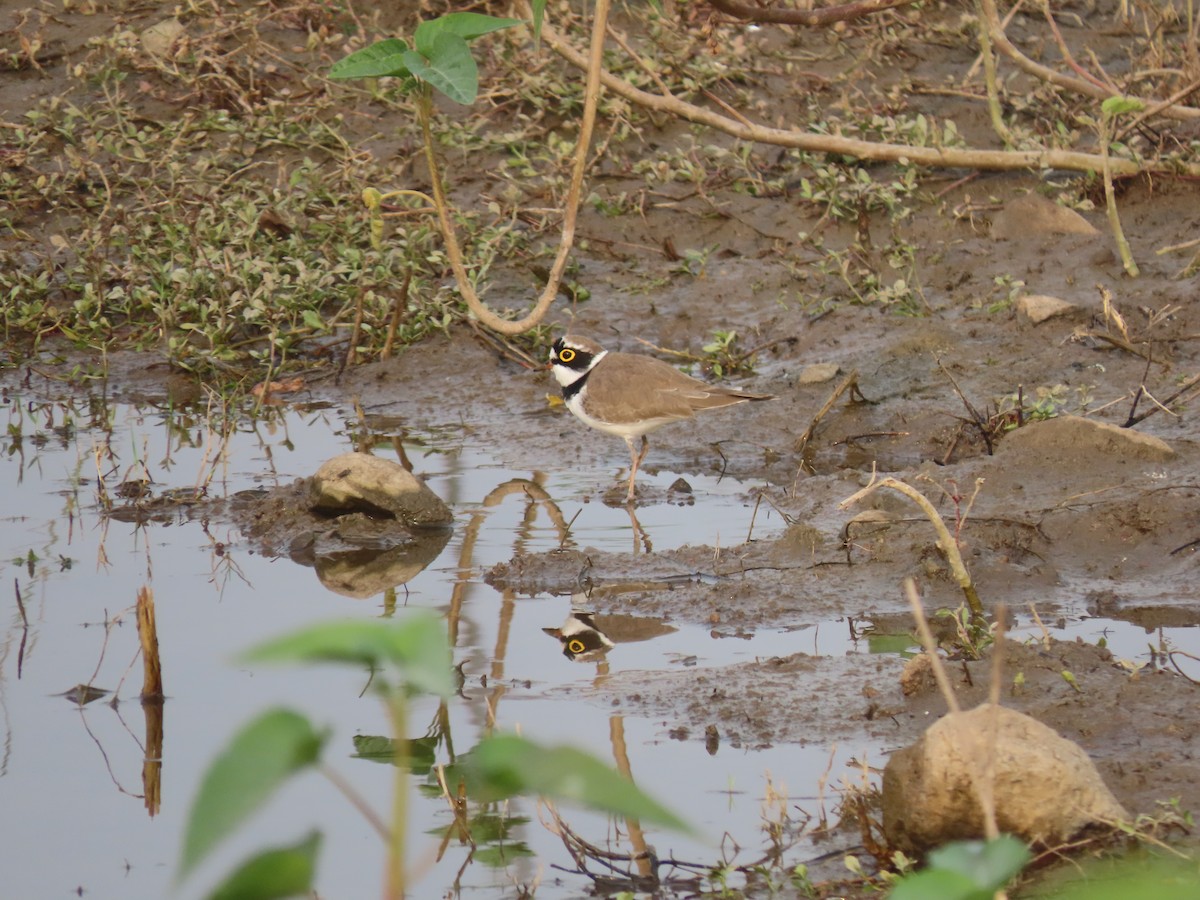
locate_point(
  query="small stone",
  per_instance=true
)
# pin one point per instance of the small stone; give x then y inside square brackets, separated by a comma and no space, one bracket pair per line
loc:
[818,373]
[917,676]
[1034,216]
[679,486]
[1037,308]
[160,38]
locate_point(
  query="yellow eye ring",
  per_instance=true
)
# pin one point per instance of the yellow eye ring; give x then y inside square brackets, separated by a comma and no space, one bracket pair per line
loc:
[575,645]
[566,354]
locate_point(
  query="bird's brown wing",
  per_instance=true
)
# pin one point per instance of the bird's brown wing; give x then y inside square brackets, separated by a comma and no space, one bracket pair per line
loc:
[652,389]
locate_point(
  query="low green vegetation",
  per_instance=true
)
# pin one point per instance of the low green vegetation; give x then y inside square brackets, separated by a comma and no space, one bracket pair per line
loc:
[192,185]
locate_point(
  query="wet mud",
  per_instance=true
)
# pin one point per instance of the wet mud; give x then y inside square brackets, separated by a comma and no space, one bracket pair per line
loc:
[1054,514]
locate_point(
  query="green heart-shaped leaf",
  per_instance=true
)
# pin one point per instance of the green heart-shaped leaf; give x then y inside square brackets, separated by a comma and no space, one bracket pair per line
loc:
[380,59]
[261,757]
[447,66]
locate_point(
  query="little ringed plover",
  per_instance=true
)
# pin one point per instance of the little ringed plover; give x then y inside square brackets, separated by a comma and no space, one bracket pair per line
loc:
[630,395]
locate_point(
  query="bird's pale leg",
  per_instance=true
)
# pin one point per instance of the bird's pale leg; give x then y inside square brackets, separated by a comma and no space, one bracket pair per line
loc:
[635,461]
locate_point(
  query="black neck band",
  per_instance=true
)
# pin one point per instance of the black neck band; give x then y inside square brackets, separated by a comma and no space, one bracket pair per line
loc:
[570,390]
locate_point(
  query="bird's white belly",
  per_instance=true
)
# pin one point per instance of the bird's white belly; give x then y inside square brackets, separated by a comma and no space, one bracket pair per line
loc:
[620,429]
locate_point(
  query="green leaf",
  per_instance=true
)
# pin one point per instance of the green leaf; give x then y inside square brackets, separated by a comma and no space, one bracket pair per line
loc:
[1118,106]
[891,643]
[278,873]
[499,856]
[539,14]
[507,765]
[466,25]
[990,864]
[381,58]
[419,754]
[965,870]
[261,756]
[938,884]
[448,66]
[417,647]
[1133,877]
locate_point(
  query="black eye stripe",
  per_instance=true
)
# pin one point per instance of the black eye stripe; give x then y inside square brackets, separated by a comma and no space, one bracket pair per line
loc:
[571,357]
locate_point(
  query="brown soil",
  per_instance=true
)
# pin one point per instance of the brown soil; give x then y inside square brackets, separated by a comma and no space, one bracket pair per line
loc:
[1078,525]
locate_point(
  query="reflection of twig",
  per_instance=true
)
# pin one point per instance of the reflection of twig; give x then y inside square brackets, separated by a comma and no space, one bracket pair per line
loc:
[581,851]
[535,492]
[108,625]
[1171,657]
[357,800]
[104,756]
[24,627]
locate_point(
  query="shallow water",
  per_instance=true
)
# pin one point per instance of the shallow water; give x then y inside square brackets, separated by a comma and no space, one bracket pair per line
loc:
[71,804]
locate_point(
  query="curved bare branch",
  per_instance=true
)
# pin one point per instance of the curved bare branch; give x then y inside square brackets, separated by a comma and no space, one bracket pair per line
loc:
[810,18]
[943,157]
[570,207]
[1071,82]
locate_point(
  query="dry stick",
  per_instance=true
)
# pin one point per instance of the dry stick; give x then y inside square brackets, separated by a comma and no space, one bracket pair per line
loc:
[813,18]
[355,332]
[571,208]
[152,686]
[1042,625]
[947,157]
[945,541]
[977,419]
[399,308]
[989,78]
[1157,108]
[1110,201]
[1065,51]
[930,645]
[986,785]
[1008,17]
[849,383]
[1045,73]
[1184,388]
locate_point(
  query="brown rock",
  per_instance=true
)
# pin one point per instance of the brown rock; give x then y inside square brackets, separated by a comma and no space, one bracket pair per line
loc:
[365,483]
[1045,787]
[1075,435]
[818,373]
[1034,216]
[1037,308]
[917,676]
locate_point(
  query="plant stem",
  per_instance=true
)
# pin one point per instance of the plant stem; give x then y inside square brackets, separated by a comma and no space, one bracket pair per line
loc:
[945,540]
[989,78]
[395,866]
[1110,203]
[571,206]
